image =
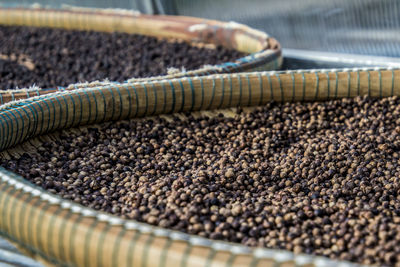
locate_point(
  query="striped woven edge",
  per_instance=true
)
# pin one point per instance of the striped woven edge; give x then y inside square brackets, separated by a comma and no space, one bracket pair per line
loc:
[21,120]
[265,51]
[67,234]
[72,235]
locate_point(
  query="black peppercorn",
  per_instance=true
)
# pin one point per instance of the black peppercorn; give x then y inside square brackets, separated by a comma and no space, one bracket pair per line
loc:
[319,178]
[49,57]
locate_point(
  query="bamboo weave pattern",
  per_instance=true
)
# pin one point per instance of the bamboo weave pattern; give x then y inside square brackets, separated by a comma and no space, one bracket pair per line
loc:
[70,234]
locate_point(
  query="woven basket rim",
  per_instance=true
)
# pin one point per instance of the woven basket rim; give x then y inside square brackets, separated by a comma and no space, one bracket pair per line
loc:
[19,183]
[190,27]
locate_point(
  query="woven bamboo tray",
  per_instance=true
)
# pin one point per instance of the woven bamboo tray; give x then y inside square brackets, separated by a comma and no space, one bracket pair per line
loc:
[264,51]
[66,233]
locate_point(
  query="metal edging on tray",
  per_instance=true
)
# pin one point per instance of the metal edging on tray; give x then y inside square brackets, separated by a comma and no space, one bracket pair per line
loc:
[305,59]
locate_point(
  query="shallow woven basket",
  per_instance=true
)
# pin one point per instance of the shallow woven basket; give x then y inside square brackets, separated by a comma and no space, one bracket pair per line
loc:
[264,51]
[66,233]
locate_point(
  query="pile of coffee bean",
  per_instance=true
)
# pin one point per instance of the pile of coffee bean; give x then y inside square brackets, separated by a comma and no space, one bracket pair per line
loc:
[60,57]
[320,178]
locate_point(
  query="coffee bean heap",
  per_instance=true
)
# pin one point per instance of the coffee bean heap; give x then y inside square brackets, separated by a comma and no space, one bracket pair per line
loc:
[61,57]
[318,178]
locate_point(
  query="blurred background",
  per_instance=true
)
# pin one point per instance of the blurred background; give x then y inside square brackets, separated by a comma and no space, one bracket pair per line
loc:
[313,33]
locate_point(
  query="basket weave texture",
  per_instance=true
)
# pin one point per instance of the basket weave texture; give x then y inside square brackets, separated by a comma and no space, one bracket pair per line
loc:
[264,51]
[70,234]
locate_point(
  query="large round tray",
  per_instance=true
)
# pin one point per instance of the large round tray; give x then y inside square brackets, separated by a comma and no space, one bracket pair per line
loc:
[69,234]
[264,51]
